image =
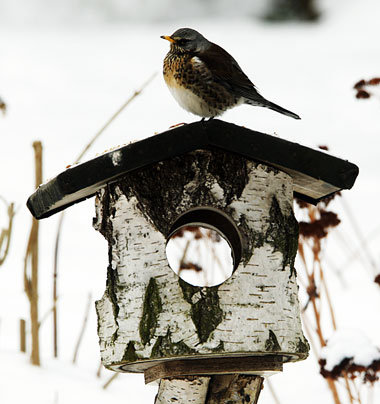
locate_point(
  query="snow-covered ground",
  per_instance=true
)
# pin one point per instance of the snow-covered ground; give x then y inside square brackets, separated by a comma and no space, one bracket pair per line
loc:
[62,83]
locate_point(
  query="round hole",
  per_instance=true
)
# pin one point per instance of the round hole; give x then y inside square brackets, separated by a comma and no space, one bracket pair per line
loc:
[204,247]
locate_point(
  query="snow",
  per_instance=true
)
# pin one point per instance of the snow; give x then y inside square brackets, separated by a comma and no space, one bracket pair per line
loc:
[349,343]
[59,381]
[62,81]
[116,158]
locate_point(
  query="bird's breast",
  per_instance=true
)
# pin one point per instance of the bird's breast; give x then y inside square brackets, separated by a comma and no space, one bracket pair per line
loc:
[193,87]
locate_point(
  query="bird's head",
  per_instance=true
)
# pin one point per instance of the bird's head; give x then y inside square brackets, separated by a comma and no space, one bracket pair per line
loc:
[187,40]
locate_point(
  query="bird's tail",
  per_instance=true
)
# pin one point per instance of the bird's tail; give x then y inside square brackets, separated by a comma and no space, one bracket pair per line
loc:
[267,104]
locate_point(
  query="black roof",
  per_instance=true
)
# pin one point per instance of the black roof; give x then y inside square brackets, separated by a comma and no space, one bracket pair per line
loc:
[315,174]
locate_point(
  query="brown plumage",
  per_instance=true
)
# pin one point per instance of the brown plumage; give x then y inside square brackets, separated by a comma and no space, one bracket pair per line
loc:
[205,79]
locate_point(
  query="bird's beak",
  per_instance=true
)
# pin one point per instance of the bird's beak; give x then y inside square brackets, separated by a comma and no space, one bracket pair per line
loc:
[168,38]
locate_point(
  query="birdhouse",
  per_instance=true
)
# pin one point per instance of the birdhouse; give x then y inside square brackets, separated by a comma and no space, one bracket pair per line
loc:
[236,181]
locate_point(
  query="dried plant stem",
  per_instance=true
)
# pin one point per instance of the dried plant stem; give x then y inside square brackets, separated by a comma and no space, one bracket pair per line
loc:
[85,319]
[351,398]
[183,258]
[3,106]
[45,316]
[114,116]
[324,284]
[110,380]
[60,223]
[310,335]
[312,292]
[318,322]
[358,399]
[359,234]
[5,235]
[31,283]
[99,371]
[55,293]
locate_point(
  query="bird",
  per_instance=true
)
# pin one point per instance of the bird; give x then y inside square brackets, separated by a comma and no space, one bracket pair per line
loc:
[206,80]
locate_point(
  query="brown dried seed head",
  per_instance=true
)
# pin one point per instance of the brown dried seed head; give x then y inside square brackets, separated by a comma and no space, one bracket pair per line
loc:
[377,279]
[359,84]
[347,367]
[3,106]
[363,94]
[302,204]
[374,82]
[331,197]
[191,266]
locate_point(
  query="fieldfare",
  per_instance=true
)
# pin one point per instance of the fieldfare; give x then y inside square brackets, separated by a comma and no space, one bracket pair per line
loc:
[206,80]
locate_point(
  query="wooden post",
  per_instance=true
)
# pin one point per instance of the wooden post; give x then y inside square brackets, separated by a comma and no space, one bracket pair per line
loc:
[219,389]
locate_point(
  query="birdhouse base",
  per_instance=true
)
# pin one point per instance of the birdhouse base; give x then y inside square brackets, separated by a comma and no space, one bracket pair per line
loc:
[252,365]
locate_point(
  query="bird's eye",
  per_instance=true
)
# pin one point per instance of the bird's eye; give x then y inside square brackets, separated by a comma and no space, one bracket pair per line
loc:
[182,41]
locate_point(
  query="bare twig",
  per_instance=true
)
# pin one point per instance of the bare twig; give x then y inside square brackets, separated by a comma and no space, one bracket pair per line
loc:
[5,234]
[359,234]
[3,106]
[99,371]
[60,223]
[110,380]
[325,288]
[83,328]
[46,316]
[114,116]
[312,288]
[55,297]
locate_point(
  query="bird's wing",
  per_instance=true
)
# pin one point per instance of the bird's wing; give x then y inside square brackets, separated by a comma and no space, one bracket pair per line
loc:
[225,70]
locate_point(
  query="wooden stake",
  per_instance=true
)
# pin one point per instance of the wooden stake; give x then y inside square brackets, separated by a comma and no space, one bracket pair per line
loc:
[22,335]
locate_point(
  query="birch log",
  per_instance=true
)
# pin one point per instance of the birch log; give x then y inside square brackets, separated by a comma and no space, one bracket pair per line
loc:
[226,389]
[148,315]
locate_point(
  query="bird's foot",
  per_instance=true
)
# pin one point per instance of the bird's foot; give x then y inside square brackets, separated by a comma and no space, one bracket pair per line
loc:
[209,119]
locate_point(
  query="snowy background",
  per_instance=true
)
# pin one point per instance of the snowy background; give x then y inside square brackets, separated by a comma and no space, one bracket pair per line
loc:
[65,68]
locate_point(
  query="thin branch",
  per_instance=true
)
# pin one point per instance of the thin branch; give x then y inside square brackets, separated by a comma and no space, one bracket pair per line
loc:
[83,328]
[99,371]
[359,234]
[46,316]
[3,106]
[114,116]
[6,233]
[310,335]
[324,284]
[350,396]
[60,223]
[110,380]
[55,278]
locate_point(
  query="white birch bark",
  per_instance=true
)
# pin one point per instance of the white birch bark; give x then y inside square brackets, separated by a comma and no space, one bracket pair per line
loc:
[259,302]
[183,391]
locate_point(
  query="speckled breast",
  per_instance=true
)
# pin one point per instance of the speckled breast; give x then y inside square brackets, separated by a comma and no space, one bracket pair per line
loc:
[193,87]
